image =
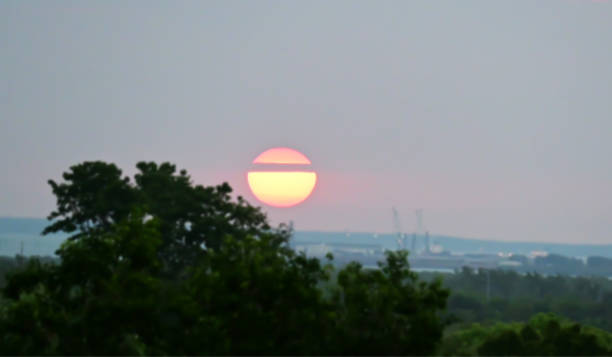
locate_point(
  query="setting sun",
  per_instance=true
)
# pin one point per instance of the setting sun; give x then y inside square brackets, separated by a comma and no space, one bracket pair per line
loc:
[285,183]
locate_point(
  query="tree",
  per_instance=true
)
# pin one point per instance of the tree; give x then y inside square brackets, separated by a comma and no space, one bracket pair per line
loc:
[244,291]
[94,197]
[101,299]
[265,298]
[251,296]
[192,218]
[388,311]
[543,335]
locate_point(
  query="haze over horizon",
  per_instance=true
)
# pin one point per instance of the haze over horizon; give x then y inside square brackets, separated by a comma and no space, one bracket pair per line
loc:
[494,117]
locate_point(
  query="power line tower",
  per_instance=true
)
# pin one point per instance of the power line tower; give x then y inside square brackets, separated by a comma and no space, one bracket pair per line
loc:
[400,238]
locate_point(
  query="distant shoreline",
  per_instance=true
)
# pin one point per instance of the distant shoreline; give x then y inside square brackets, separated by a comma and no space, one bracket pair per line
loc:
[28,230]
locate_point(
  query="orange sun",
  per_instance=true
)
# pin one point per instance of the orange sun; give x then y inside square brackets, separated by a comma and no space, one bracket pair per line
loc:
[282,180]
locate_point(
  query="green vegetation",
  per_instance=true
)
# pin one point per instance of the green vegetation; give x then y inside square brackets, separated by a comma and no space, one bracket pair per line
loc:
[553,264]
[160,266]
[516,297]
[543,335]
[164,267]
[11,264]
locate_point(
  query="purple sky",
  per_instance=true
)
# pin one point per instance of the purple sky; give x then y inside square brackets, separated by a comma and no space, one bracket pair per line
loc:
[495,117]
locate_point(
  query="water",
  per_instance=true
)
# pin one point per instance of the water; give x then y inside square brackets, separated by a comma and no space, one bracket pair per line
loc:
[12,244]
[14,231]
[433,270]
[458,245]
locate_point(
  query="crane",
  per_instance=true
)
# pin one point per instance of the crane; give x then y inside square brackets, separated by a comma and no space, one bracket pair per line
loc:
[397,228]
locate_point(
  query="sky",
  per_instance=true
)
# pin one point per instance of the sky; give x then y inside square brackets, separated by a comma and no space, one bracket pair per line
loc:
[494,117]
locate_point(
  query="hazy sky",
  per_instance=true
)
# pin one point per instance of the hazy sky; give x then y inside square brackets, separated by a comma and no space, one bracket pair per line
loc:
[495,117]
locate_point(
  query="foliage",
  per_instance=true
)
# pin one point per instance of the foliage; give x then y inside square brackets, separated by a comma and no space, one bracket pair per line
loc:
[243,291]
[11,264]
[389,311]
[160,266]
[95,196]
[8,265]
[517,297]
[543,335]
[104,289]
[251,296]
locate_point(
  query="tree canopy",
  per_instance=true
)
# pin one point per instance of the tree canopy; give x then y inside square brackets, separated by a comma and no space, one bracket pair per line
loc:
[543,335]
[156,265]
[160,266]
[191,218]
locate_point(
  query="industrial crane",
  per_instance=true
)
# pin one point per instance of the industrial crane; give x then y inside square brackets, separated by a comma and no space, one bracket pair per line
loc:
[400,237]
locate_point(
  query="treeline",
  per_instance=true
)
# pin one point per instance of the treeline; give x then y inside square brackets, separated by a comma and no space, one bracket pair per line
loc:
[500,295]
[11,264]
[486,296]
[366,293]
[7,265]
[552,264]
[158,266]
[543,335]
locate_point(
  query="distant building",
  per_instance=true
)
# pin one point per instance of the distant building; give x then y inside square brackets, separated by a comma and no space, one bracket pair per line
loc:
[538,253]
[509,264]
[314,249]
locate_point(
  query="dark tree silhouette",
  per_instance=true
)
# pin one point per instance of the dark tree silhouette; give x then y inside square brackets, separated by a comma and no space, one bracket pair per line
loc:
[241,289]
[192,218]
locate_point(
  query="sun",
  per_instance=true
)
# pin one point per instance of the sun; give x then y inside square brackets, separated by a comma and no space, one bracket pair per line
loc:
[281,178]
